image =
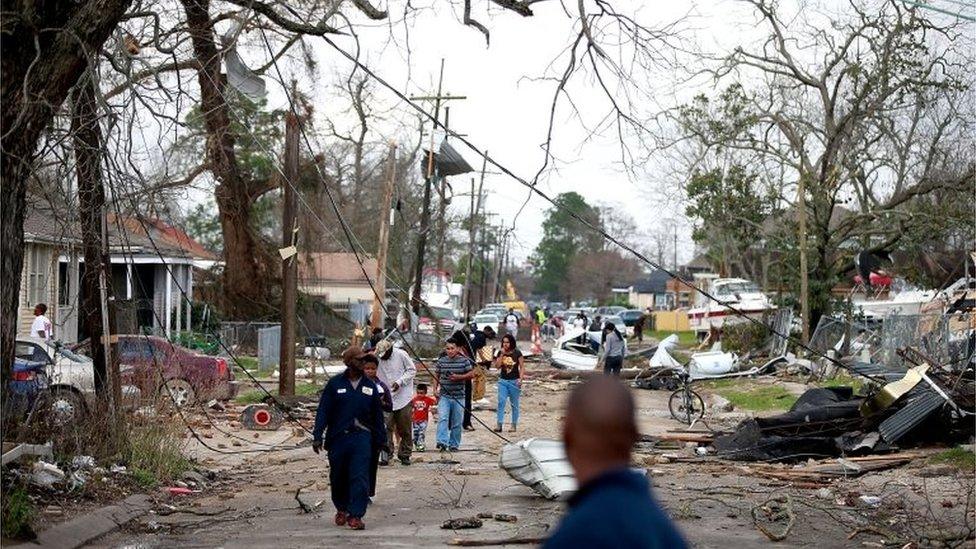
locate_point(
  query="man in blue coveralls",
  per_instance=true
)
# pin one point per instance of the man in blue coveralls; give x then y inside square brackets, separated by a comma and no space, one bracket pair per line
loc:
[613,506]
[350,413]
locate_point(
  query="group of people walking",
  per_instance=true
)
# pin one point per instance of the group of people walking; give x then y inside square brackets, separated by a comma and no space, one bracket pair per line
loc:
[373,412]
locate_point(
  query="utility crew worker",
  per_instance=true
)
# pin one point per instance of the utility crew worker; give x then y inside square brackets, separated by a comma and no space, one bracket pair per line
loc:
[350,412]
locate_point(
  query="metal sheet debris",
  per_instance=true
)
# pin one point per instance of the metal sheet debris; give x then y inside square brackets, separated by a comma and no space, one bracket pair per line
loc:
[540,464]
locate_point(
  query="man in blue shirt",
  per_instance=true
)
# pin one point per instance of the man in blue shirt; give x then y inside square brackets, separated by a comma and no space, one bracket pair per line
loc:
[613,506]
[350,413]
[452,369]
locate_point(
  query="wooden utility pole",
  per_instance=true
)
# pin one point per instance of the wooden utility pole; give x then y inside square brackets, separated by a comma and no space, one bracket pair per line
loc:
[442,205]
[94,310]
[428,181]
[473,234]
[801,212]
[289,254]
[384,243]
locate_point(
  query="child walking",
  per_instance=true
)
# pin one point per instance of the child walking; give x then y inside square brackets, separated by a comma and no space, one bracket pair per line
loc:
[421,415]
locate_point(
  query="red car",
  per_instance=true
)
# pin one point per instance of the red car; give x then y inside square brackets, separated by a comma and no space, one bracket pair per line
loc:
[164,369]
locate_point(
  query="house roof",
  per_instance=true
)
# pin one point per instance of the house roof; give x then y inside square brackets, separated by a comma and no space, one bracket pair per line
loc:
[340,267]
[126,234]
[655,283]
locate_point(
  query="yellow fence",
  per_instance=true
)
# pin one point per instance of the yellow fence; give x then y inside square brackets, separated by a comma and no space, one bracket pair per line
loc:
[671,321]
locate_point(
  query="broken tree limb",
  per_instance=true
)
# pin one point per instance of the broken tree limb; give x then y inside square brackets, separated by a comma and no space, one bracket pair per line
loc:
[306,508]
[774,511]
[490,542]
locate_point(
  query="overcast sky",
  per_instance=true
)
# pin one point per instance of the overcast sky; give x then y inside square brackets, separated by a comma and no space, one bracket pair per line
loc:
[507,105]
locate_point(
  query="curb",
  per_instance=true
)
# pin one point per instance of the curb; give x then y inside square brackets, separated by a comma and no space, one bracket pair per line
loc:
[83,529]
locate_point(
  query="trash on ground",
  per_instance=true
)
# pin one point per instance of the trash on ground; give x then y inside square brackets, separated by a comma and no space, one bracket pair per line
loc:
[46,474]
[462,523]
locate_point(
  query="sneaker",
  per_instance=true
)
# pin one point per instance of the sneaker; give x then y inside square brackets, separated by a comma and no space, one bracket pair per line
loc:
[453,449]
[511,429]
[420,448]
[468,428]
[384,462]
[499,428]
[357,523]
[405,461]
[341,518]
[441,447]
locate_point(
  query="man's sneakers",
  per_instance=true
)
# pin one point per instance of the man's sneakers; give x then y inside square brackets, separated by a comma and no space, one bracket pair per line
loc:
[357,523]
[341,517]
[469,428]
[441,447]
[420,448]
[453,449]
[404,461]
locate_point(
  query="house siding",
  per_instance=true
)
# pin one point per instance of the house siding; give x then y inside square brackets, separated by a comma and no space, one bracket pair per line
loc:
[337,292]
[49,294]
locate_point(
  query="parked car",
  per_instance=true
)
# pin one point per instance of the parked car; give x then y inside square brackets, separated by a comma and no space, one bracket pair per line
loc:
[446,323]
[480,322]
[69,388]
[630,316]
[27,382]
[610,310]
[164,369]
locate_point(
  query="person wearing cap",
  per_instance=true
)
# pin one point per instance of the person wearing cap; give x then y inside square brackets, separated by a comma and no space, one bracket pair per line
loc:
[351,416]
[398,371]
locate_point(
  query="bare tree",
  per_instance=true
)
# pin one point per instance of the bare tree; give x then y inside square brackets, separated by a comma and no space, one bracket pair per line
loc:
[841,102]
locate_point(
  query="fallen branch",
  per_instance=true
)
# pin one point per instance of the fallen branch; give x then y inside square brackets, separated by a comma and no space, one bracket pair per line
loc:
[489,542]
[774,510]
[306,508]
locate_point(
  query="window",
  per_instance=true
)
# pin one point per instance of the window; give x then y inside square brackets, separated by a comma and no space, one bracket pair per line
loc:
[37,274]
[64,288]
[31,352]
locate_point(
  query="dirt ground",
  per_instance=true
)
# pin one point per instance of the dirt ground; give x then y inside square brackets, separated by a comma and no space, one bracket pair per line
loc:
[711,501]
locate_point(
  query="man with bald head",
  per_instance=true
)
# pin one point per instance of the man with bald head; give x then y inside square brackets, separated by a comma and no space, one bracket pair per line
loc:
[613,506]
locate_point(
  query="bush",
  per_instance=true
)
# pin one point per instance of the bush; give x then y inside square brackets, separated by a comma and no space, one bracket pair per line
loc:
[154,452]
[17,513]
[742,337]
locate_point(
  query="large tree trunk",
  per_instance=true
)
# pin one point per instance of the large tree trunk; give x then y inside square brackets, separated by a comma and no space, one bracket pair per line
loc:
[87,141]
[245,284]
[44,46]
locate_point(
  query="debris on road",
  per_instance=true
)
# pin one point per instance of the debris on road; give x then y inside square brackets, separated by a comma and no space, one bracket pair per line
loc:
[462,523]
[46,474]
[540,464]
[260,417]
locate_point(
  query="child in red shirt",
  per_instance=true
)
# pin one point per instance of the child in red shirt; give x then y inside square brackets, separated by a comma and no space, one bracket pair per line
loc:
[422,405]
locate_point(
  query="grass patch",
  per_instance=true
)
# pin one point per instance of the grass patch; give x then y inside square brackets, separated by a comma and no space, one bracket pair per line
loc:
[958,457]
[154,453]
[747,395]
[256,396]
[17,513]
[144,479]
[856,383]
[685,339]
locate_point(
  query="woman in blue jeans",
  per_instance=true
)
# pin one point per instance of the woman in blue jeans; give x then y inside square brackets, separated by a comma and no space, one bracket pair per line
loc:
[509,364]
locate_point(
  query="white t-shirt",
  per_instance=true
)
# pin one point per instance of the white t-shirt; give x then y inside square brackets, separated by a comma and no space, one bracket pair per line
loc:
[511,322]
[41,323]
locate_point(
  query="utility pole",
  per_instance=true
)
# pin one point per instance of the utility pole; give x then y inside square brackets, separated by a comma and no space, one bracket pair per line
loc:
[473,234]
[675,248]
[428,181]
[384,242]
[442,205]
[289,254]
[801,212]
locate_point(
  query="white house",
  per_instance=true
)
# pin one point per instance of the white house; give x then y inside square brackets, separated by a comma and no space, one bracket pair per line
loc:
[152,273]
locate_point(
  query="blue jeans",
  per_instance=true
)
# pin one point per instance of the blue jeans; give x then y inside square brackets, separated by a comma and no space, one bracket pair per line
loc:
[450,413]
[507,389]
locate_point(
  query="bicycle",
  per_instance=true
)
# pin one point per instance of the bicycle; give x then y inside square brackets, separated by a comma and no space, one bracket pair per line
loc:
[685,404]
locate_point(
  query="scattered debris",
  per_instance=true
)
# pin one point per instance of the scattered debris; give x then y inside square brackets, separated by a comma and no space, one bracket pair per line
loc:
[540,464]
[502,517]
[721,404]
[83,462]
[774,517]
[178,491]
[216,405]
[46,474]
[462,523]
[491,542]
[870,501]
[13,451]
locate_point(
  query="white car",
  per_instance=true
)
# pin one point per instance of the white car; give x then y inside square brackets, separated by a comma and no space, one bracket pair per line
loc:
[71,378]
[481,322]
